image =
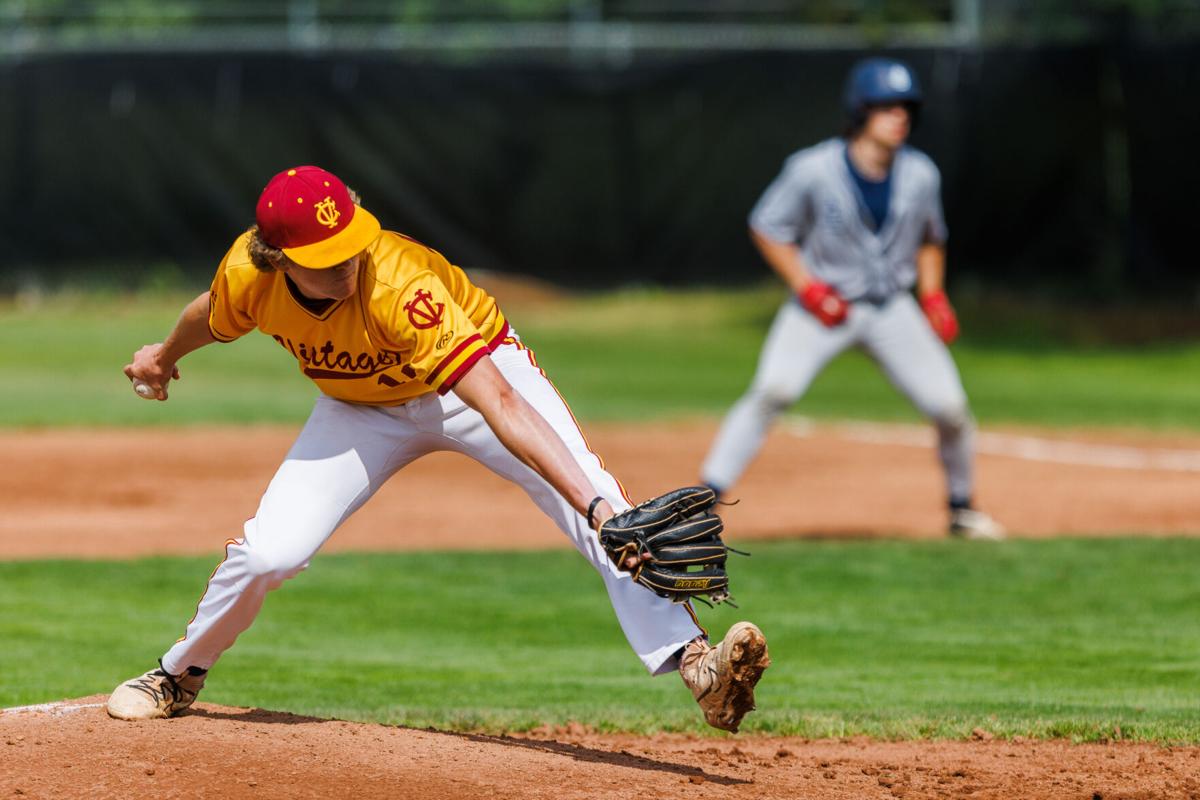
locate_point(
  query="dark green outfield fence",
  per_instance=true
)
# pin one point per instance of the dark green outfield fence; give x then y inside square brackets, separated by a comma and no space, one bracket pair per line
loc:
[1065,165]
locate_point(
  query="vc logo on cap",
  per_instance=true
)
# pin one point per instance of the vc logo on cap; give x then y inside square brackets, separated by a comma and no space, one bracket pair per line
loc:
[327,212]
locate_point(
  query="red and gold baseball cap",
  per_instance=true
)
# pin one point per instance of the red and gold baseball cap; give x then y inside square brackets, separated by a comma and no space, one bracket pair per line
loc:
[307,213]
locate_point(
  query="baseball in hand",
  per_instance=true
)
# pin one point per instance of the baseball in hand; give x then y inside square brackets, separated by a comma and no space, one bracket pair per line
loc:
[143,389]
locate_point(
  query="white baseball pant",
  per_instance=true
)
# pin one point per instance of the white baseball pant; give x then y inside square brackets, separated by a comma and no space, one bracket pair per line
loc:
[346,452]
[897,336]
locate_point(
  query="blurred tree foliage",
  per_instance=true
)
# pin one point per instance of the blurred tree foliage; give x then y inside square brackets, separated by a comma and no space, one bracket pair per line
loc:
[994,20]
[1012,18]
[1004,14]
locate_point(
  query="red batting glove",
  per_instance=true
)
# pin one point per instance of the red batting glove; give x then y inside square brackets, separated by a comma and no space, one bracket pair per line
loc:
[824,303]
[940,315]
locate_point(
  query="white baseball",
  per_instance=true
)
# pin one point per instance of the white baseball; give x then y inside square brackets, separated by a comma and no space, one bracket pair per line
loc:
[143,389]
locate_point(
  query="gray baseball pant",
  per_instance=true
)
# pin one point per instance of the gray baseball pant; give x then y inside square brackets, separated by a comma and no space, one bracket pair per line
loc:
[897,336]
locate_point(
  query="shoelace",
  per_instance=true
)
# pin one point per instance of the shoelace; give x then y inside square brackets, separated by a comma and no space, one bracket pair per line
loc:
[707,677]
[156,689]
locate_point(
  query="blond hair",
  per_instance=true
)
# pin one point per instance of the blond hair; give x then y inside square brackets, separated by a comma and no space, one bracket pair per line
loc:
[265,257]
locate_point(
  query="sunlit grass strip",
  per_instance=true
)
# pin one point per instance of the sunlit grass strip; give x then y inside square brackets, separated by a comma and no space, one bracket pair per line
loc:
[1085,639]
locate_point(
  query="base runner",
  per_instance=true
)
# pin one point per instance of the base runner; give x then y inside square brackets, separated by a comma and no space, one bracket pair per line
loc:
[410,358]
[850,225]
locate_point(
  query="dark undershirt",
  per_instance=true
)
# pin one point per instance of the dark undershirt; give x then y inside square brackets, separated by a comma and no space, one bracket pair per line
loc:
[876,195]
[315,305]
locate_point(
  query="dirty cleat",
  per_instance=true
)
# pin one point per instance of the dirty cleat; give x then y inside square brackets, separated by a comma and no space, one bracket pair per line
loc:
[967,523]
[156,694]
[722,678]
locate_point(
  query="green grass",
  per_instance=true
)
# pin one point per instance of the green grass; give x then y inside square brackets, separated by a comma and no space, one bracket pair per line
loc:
[60,364]
[694,353]
[1073,638]
[627,355]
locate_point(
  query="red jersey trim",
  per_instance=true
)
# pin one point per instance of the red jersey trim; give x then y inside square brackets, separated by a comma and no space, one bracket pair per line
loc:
[463,368]
[221,337]
[455,353]
[498,339]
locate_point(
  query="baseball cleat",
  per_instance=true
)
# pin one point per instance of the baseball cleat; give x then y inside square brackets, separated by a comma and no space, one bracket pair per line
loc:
[722,678]
[156,694]
[967,523]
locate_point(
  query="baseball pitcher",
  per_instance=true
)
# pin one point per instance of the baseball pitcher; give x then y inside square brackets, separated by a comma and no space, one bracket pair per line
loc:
[851,224]
[410,358]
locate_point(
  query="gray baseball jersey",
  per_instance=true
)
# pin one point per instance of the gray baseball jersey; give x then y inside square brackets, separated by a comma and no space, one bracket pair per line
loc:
[815,203]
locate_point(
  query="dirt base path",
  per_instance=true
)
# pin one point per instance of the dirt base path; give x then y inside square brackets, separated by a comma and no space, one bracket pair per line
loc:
[215,751]
[115,494]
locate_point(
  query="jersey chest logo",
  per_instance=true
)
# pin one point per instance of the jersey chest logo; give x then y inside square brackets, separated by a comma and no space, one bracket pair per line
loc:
[422,313]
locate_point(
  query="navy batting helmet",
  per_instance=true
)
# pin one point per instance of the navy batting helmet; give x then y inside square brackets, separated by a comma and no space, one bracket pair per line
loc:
[878,81]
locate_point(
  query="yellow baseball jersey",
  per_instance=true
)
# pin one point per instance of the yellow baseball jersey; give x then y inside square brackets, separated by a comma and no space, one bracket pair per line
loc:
[415,325]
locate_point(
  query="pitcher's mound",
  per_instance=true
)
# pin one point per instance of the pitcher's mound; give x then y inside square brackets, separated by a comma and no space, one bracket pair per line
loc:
[73,749]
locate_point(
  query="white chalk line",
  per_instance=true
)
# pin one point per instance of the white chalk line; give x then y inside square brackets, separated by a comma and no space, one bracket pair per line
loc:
[1028,448]
[52,708]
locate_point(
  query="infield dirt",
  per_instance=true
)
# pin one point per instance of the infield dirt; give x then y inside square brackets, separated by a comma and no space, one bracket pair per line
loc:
[119,493]
[123,493]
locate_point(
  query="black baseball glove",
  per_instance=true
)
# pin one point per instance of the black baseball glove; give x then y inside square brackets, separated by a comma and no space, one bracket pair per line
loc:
[682,538]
